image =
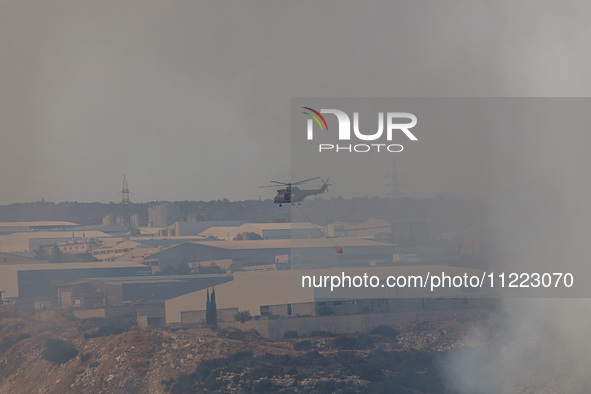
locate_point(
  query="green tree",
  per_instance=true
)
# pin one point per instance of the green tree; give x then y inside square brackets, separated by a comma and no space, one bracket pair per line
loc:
[58,351]
[243,316]
[208,309]
[41,254]
[324,310]
[214,309]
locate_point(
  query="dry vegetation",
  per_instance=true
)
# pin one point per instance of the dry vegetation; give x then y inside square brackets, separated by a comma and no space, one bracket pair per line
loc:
[37,356]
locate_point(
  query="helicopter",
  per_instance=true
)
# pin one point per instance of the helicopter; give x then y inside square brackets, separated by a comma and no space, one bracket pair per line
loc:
[292,193]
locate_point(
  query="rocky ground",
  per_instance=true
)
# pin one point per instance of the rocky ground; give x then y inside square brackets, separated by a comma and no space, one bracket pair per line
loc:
[123,359]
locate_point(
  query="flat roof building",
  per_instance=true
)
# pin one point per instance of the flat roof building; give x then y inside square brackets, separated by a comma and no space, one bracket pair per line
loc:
[116,290]
[31,241]
[283,293]
[41,280]
[14,227]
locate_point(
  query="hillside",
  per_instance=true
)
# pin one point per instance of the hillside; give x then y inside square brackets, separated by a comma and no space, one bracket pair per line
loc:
[199,359]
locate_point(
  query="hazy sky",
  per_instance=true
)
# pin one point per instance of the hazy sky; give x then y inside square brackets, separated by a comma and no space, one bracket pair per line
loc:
[192,99]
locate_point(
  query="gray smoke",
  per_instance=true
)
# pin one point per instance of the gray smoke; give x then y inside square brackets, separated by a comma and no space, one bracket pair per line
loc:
[543,348]
[163,90]
[541,214]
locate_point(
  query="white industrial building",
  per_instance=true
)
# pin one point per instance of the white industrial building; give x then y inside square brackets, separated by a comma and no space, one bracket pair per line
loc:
[248,291]
[266,231]
[219,232]
[281,292]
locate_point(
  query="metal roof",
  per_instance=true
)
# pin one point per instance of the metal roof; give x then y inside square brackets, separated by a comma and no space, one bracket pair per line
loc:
[42,223]
[281,226]
[64,266]
[157,278]
[61,234]
[293,243]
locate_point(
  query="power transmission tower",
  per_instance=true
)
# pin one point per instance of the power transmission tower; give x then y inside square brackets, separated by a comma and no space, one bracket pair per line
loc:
[124,192]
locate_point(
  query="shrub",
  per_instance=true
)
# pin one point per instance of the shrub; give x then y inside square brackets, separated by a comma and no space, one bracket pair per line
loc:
[302,345]
[243,316]
[386,332]
[290,335]
[322,334]
[107,330]
[7,342]
[264,386]
[346,342]
[324,310]
[58,351]
[23,336]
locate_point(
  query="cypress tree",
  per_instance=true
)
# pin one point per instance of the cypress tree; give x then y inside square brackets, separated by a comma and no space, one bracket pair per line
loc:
[208,309]
[214,309]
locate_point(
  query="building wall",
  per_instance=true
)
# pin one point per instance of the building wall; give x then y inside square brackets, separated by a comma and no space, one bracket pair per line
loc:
[347,324]
[8,258]
[295,309]
[248,291]
[9,283]
[106,313]
[27,242]
[35,283]
[79,247]
[288,232]
[191,317]
[150,321]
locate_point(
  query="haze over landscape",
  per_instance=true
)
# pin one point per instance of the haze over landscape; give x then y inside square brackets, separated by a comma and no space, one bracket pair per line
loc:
[194,103]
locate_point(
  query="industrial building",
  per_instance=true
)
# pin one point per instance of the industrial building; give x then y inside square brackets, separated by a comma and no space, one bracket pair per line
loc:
[265,231]
[85,246]
[219,232]
[35,285]
[308,253]
[112,291]
[18,227]
[248,291]
[281,294]
[17,258]
[370,227]
[110,228]
[31,241]
[115,252]
[196,228]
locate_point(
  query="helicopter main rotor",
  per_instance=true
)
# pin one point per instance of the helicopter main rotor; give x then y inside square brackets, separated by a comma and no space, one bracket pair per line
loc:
[290,184]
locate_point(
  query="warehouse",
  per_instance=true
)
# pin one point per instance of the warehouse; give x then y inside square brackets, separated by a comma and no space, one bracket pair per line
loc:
[305,253]
[276,294]
[36,284]
[277,231]
[248,291]
[17,227]
[31,241]
[17,257]
[98,292]
[196,228]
